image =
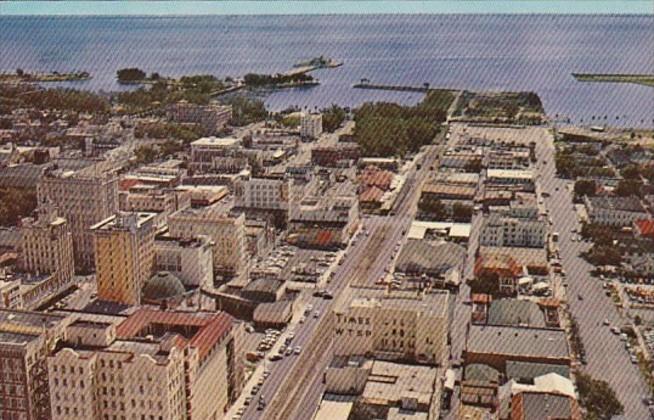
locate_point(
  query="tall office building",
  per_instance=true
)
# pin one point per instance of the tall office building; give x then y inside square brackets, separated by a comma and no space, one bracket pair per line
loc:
[47,246]
[26,338]
[83,198]
[124,256]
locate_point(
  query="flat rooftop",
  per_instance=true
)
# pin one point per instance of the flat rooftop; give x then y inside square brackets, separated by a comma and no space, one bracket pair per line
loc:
[526,174]
[393,381]
[21,327]
[216,142]
[122,221]
[516,341]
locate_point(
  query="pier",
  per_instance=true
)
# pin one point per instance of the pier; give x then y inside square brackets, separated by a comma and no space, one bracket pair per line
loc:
[425,88]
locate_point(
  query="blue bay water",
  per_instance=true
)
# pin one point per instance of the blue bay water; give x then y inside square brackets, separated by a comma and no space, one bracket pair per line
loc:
[476,52]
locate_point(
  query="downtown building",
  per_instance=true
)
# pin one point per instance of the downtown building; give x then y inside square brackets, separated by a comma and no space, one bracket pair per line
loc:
[190,260]
[310,125]
[83,198]
[500,231]
[153,365]
[226,232]
[212,118]
[222,155]
[124,256]
[46,257]
[26,338]
[396,325]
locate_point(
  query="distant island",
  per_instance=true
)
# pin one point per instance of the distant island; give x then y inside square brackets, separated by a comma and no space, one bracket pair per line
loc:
[134,75]
[22,76]
[319,62]
[639,79]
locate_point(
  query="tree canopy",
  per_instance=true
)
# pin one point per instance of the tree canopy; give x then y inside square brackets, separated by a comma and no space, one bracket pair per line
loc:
[14,204]
[131,74]
[388,129]
[585,187]
[598,398]
[332,118]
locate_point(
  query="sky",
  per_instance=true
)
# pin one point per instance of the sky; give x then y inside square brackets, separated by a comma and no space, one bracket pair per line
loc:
[253,7]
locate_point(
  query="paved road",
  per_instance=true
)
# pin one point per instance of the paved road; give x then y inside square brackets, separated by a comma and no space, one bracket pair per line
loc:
[361,263]
[607,357]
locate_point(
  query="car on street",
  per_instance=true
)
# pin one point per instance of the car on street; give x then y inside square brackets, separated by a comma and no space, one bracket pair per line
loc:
[316,314]
[580,297]
[289,351]
[297,350]
[327,296]
[606,322]
[274,357]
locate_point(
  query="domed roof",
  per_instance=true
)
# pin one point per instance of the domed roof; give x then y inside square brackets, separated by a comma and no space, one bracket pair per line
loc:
[162,285]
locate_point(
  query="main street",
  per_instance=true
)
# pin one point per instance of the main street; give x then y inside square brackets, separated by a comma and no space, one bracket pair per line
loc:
[607,358]
[294,386]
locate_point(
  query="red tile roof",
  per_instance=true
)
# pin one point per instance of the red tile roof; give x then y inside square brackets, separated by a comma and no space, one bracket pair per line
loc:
[645,227]
[481,298]
[377,177]
[126,184]
[212,327]
[371,195]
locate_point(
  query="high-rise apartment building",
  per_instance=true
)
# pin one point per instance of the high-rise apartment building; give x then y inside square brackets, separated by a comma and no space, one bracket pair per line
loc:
[26,338]
[83,198]
[124,257]
[154,365]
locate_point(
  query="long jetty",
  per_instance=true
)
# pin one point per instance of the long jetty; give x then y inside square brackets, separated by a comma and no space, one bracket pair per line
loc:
[399,88]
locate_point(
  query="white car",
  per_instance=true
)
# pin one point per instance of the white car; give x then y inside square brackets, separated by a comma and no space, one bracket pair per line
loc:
[297,350]
[316,314]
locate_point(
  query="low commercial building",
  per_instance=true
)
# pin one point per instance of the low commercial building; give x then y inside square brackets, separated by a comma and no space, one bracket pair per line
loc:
[456,232]
[430,265]
[399,325]
[496,345]
[513,232]
[615,211]
[523,178]
[154,364]
[548,396]
[191,260]
[324,223]
[26,338]
[385,389]
[443,191]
